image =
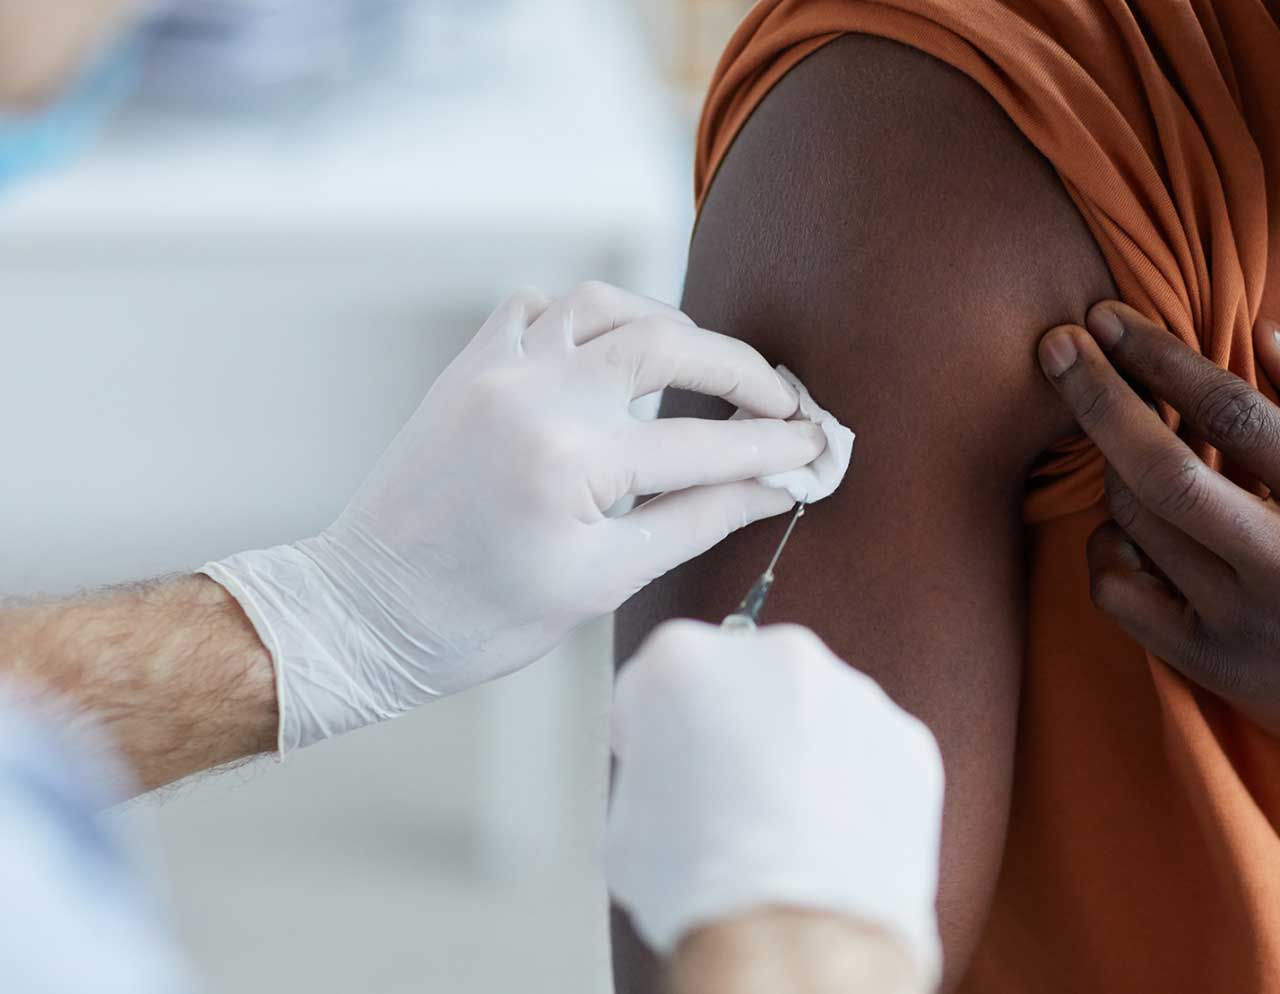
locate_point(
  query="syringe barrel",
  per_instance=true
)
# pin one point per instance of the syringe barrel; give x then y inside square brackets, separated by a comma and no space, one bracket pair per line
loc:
[753,603]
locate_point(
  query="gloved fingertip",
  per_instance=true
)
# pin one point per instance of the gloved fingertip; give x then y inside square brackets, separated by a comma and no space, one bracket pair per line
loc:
[791,399]
[814,435]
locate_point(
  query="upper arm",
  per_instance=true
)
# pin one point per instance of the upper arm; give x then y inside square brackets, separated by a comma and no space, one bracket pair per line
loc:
[882,228]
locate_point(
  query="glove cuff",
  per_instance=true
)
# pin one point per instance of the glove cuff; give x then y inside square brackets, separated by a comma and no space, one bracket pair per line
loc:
[297,613]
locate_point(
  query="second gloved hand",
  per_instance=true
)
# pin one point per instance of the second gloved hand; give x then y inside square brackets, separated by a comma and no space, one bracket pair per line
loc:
[480,540]
[759,770]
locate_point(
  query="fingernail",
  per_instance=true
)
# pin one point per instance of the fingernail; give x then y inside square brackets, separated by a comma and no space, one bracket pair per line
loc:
[816,436]
[1105,326]
[1057,353]
[1129,555]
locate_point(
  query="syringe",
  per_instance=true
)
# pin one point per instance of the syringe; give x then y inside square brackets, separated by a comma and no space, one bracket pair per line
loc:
[748,614]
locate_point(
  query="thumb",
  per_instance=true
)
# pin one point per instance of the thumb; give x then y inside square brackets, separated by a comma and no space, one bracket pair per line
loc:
[1266,349]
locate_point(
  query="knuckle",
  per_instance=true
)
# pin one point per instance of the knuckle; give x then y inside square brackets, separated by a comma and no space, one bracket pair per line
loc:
[673,636]
[663,663]
[768,434]
[681,664]
[1214,669]
[1173,484]
[543,460]
[526,297]
[1121,502]
[593,294]
[684,319]
[797,640]
[1094,405]
[1234,414]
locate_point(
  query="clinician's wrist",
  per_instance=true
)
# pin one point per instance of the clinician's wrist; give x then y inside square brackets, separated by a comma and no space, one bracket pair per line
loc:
[775,950]
[321,648]
[257,716]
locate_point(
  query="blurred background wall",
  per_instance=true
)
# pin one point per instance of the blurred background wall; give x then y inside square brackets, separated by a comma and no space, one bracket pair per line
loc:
[689,36]
[216,321]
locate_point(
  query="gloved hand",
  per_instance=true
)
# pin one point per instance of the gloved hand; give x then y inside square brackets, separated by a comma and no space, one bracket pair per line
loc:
[480,540]
[758,769]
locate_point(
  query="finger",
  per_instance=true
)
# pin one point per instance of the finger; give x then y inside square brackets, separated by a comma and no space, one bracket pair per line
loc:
[655,353]
[1164,474]
[1203,578]
[678,453]
[589,311]
[1266,347]
[1224,410]
[1155,616]
[678,526]
[1146,607]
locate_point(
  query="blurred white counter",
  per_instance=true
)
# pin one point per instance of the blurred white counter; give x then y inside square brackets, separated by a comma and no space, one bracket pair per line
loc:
[565,151]
[212,328]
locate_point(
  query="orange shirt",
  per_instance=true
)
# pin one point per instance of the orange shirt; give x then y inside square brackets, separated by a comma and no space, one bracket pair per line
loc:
[1143,850]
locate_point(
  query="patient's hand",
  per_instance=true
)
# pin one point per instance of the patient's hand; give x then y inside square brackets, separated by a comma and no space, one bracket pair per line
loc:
[1190,565]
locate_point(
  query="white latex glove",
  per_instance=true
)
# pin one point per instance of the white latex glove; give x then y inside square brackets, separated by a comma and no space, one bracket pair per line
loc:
[758,769]
[480,540]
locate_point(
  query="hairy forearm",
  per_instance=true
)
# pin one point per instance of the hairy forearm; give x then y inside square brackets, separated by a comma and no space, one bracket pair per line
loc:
[792,951]
[171,670]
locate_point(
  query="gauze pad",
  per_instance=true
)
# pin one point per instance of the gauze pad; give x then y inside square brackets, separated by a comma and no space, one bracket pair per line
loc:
[821,477]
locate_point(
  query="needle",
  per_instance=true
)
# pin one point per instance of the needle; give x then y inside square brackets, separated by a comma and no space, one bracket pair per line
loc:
[785,536]
[744,619]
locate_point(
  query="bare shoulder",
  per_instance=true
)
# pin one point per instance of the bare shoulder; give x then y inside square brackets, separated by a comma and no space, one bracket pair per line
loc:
[882,228]
[880,203]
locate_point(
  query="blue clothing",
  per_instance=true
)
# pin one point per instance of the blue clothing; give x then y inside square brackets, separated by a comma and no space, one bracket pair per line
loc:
[50,137]
[74,915]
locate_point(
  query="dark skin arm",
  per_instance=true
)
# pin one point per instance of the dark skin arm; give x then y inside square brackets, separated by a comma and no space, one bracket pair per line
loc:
[884,230]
